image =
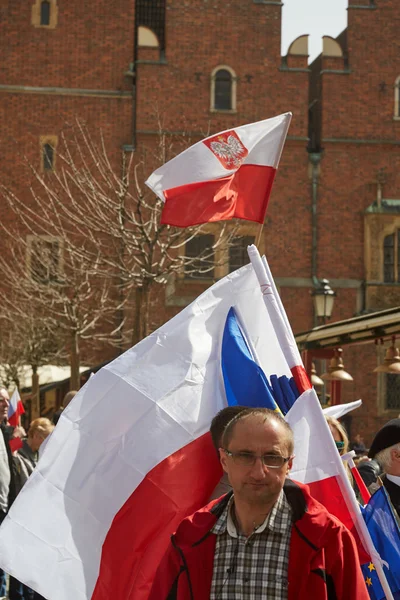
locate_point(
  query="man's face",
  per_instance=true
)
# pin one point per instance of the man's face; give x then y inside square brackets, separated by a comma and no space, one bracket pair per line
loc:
[257,484]
[37,440]
[4,404]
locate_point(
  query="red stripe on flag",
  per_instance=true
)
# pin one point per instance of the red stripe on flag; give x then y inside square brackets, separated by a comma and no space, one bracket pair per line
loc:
[328,492]
[20,408]
[301,379]
[14,419]
[139,536]
[365,495]
[243,195]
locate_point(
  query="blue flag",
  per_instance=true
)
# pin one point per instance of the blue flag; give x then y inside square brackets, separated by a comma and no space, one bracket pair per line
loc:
[245,382]
[384,530]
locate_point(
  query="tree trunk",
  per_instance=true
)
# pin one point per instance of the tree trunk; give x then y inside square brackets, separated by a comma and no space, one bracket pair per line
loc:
[35,402]
[141,325]
[75,359]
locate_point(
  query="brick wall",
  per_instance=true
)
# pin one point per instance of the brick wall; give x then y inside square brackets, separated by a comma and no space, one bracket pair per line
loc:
[92,47]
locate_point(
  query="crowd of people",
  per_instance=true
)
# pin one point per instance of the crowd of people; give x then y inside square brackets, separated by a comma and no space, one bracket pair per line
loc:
[19,453]
[260,529]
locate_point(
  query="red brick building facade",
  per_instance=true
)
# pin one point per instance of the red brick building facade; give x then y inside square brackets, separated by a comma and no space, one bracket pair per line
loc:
[199,66]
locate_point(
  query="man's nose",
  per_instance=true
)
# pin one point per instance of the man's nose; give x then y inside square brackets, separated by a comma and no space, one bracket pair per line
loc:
[258,469]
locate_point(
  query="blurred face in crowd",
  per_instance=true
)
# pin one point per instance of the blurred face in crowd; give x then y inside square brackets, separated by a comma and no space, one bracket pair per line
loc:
[39,430]
[37,440]
[4,404]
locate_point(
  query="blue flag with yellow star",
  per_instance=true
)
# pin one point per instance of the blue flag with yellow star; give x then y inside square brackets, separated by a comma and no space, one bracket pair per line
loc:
[385,533]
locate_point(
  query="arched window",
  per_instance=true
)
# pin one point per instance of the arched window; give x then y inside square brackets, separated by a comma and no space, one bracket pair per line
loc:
[223,89]
[45,12]
[147,38]
[397,98]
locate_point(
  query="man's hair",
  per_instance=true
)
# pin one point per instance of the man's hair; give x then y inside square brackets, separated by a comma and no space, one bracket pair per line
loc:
[42,426]
[68,397]
[384,457]
[221,420]
[267,416]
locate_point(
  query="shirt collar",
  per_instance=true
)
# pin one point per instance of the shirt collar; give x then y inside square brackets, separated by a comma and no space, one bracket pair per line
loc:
[274,521]
[393,478]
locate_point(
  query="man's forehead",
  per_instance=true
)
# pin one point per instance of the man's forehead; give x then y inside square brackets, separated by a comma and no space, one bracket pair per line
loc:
[258,425]
[4,394]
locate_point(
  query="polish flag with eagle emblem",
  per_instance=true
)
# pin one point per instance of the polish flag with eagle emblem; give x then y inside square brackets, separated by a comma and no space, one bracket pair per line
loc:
[228,175]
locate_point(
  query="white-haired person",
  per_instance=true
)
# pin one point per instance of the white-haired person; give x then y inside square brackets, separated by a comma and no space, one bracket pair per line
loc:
[385,449]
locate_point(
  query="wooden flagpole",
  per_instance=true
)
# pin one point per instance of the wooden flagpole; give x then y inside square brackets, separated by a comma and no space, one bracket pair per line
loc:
[259,233]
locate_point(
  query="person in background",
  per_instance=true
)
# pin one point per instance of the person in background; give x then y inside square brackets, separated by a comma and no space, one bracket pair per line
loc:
[38,431]
[25,460]
[339,434]
[218,424]
[7,473]
[67,399]
[385,449]
[368,469]
[358,445]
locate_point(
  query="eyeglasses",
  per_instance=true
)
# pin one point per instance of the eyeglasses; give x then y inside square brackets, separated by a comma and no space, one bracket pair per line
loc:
[247,459]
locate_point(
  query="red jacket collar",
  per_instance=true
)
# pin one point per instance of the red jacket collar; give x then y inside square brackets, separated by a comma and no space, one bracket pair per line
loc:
[310,517]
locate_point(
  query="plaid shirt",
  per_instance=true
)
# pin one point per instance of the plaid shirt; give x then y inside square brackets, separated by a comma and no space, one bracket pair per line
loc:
[253,568]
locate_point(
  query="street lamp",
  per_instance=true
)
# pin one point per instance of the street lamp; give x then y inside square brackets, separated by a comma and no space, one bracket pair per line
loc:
[324,297]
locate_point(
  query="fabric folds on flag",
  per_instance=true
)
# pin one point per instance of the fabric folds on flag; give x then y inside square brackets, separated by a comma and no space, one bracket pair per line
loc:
[228,175]
[131,456]
[16,409]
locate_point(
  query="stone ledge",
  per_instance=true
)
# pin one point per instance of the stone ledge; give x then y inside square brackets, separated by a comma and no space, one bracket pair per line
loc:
[61,91]
[362,7]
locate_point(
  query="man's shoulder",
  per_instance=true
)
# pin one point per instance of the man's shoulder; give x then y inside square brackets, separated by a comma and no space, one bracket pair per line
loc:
[197,525]
[311,517]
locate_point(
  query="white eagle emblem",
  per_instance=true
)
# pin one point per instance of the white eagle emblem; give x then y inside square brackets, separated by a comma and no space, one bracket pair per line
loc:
[228,148]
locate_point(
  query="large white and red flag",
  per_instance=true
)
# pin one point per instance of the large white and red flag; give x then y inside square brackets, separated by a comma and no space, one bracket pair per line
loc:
[131,456]
[225,176]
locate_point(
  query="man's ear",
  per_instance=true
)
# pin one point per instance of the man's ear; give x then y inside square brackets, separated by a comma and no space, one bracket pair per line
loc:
[395,455]
[222,458]
[290,464]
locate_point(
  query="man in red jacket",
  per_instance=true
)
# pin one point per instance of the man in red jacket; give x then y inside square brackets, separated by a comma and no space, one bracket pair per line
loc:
[269,539]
